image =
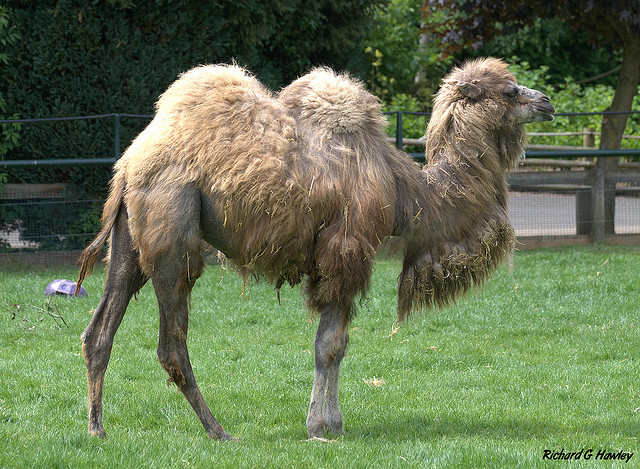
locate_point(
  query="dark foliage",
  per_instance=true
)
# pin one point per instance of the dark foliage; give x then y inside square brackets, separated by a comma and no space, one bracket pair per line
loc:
[552,44]
[473,23]
[78,58]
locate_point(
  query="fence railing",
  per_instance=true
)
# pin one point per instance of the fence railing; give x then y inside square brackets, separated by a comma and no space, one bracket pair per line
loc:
[588,140]
[533,151]
[86,162]
[583,178]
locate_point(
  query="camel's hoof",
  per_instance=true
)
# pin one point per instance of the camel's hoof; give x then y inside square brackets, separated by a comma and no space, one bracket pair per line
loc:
[99,432]
[221,435]
[336,428]
[339,431]
[315,432]
[226,437]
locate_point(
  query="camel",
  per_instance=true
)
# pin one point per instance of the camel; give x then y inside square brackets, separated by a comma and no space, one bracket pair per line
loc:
[303,186]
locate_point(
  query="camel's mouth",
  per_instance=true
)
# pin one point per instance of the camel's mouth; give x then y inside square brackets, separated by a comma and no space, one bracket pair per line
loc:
[547,116]
[545,110]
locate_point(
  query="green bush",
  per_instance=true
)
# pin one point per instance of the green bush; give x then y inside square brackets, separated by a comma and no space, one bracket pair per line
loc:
[413,125]
[9,133]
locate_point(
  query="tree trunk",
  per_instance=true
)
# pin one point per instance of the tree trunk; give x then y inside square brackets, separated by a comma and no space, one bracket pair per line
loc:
[627,88]
[423,40]
[613,126]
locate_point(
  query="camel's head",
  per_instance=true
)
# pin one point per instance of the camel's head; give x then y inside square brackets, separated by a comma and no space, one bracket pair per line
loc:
[488,91]
[481,106]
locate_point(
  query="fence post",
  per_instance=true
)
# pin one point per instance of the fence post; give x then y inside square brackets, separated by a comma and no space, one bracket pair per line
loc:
[583,211]
[584,197]
[597,203]
[589,137]
[399,130]
[116,137]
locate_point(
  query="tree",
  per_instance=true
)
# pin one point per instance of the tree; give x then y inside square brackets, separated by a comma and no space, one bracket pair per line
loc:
[392,44]
[473,23]
[615,24]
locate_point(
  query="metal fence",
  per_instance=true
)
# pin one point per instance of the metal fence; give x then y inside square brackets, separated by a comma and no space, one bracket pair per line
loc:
[550,200]
[45,223]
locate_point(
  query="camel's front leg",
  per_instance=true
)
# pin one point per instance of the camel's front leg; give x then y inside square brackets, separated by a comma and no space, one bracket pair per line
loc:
[330,347]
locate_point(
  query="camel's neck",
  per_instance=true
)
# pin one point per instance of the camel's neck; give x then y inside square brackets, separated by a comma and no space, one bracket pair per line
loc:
[457,225]
[451,195]
[465,178]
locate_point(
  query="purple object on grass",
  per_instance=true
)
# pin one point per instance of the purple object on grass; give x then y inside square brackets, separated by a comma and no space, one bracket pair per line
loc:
[63,287]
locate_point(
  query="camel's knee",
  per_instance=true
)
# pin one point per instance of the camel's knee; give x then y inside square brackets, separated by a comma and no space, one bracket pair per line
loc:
[176,376]
[96,341]
[123,281]
[174,363]
[96,355]
[332,336]
[172,350]
[331,347]
[341,348]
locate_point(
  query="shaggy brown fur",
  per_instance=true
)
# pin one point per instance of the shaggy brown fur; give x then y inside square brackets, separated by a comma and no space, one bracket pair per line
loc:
[294,180]
[471,143]
[304,185]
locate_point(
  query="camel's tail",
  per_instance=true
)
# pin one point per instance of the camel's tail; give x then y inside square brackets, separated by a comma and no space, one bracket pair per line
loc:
[109,214]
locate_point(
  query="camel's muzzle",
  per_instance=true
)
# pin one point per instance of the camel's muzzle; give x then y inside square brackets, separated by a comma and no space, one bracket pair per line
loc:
[543,106]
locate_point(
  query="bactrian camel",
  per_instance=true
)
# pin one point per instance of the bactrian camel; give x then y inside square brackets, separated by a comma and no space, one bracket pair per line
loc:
[303,185]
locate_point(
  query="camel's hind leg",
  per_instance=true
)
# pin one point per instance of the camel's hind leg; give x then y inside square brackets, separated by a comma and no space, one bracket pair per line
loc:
[173,278]
[330,348]
[124,278]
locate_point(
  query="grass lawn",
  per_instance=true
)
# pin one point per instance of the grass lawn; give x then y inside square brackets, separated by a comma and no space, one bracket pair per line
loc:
[545,357]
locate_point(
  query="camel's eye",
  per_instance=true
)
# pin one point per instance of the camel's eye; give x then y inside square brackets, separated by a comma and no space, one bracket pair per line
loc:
[511,91]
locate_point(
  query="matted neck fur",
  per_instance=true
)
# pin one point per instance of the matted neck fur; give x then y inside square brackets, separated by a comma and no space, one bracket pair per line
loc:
[461,226]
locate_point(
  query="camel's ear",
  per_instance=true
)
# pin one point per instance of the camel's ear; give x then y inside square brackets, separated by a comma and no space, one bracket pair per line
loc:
[468,89]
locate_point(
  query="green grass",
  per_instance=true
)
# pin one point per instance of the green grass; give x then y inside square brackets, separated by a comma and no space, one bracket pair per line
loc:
[544,357]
